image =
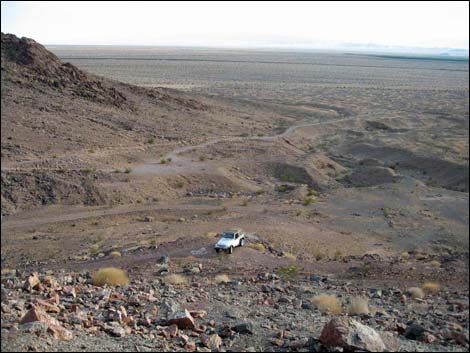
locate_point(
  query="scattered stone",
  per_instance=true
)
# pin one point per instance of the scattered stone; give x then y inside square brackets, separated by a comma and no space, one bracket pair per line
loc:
[32,282]
[414,332]
[349,334]
[213,342]
[182,319]
[243,328]
[54,327]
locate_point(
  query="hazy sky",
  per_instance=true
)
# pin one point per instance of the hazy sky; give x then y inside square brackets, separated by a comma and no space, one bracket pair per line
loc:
[294,24]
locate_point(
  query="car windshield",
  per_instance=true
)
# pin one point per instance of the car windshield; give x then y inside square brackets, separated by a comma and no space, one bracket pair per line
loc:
[228,235]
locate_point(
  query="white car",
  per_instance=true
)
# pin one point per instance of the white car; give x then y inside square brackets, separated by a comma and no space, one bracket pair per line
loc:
[230,239]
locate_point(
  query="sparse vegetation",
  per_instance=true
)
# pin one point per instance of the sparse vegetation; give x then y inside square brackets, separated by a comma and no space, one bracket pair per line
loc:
[327,303]
[223,278]
[128,170]
[176,280]
[358,306]
[415,292]
[318,254]
[289,256]
[110,276]
[151,140]
[94,249]
[435,263]
[307,201]
[287,271]
[431,287]
[114,254]
[257,246]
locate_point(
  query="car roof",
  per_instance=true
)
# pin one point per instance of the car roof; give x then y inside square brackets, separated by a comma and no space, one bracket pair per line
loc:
[233,231]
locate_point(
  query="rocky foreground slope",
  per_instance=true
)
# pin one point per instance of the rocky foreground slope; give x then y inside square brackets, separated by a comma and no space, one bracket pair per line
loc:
[193,307]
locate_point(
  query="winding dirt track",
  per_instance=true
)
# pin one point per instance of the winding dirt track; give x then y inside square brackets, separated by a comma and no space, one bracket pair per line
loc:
[179,164]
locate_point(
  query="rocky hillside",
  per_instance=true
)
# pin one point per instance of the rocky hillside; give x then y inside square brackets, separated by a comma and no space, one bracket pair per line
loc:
[192,307]
[61,124]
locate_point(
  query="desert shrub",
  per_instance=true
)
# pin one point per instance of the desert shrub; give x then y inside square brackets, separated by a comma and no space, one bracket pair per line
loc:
[244,202]
[151,140]
[311,192]
[176,280]
[114,254]
[163,161]
[94,249]
[358,306]
[338,253]
[327,303]
[405,255]
[257,246]
[287,271]
[287,178]
[202,158]
[435,263]
[289,256]
[87,170]
[222,279]
[431,287]
[307,201]
[415,292]
[179,184]
[284,188]
[128,170]
[260,192]
[111,276]
[318,254]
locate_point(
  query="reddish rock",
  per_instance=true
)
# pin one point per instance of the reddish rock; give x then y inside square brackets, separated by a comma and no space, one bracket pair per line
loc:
[213,342]
[190,347]
[277,342]
[198,313]
[32,282]
[69,291]
[54,327]
[349,334]
[182,319]
[401,328]
[48,307]
[51,282]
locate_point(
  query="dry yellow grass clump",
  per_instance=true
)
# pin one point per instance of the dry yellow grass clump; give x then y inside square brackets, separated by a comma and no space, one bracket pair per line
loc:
[358,306]
[289,256]
[222,279]
[415,292]
[405,255]
[114,254]
[431,287]
[327,303]
[94,249]
[175,279]
[257,246]
[111,276]
[435,263]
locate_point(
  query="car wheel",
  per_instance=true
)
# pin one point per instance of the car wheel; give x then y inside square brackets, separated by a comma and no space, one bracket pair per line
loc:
[242,242]
[230,250]
[217,250]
